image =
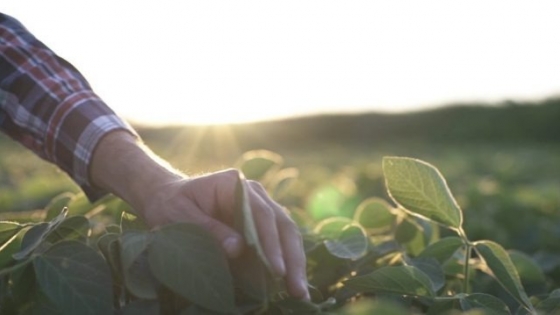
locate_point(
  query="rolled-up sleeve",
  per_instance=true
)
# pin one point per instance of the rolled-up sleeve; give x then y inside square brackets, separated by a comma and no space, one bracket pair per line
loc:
[49,107]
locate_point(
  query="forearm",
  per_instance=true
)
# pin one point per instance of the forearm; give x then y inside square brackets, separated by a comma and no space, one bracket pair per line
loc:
[128,169]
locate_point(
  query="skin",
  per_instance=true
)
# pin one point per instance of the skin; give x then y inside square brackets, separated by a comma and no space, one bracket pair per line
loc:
[160,195]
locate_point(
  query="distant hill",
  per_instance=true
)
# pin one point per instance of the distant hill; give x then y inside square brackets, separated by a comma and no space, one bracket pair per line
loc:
[509,122]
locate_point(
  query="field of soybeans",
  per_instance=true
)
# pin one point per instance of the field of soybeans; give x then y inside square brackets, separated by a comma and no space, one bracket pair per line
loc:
[389,227]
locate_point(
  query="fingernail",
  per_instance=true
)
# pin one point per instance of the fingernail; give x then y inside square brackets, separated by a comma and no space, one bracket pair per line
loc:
[303,288]
[232,245]
[280,267]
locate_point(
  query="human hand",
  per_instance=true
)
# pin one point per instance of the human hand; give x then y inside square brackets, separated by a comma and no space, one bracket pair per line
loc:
[209,202]
[161,195]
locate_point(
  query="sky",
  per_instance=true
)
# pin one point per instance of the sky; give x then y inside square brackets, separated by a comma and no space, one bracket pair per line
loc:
[207,62]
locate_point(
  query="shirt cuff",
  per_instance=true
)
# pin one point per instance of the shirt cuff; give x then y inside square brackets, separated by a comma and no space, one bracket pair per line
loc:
[74,131]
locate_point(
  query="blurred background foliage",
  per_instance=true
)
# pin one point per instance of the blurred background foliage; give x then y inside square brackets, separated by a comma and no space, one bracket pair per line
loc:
[501,162]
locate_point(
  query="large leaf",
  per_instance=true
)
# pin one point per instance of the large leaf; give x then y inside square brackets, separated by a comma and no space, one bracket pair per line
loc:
[528,269]
[72,228]
[135,268]
[282,181]
[108,245]
[250,270]
[403,280]
[375,214]
[41,306]
[31,240]
[258,163]
[420,189]
[295,306]
[35,236]
[133,243]
[141,307]
[245,222]
[378,306]
[487,303]
[343,237]
[443,249]
[75,278]
[503,269]
[188,260]
[58,202]
[432,269]
[331,227]
[351,243]
[550,305]
[8,232]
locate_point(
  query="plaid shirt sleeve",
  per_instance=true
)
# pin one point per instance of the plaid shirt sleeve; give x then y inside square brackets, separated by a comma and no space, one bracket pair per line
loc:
[48,106]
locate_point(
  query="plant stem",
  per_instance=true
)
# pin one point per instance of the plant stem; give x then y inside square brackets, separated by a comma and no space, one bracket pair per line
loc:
[466,269]
[468,250]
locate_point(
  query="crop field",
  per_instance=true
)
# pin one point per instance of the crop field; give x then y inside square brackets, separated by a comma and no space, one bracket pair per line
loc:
[369,248]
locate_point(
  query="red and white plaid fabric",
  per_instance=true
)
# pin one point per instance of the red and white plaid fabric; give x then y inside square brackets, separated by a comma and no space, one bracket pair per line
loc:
[48,106]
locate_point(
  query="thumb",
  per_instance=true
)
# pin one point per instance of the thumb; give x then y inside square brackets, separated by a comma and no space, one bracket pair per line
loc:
[230,240]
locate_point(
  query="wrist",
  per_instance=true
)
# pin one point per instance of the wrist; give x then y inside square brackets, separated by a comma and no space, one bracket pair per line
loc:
[128,169]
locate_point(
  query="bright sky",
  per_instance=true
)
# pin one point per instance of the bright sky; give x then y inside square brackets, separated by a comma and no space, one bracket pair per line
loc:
[170,61]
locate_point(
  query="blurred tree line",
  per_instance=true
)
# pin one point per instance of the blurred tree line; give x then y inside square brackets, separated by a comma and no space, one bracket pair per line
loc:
[509,123]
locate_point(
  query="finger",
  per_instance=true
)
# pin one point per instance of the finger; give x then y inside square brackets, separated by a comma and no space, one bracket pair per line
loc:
[265,221]
[231,241]
[294,255]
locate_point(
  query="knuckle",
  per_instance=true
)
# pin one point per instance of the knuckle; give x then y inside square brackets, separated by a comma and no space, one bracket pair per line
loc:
[208,223]
[265,213]
[232,173]
[256,185]
[289,226]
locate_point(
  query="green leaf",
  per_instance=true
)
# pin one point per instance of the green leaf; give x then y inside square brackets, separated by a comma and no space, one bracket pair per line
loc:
[141,307]
[135,268]
[503,269]
[130,222]
[24,286]
[332,227]
[251,275]
[258,163]
[295,306]
[375,214]
[443,249]
[245,222]
[7,251]
[72,228]
[370,307]
[488,303]
[75,278]
[351,243]
[35,236]
[550,305]
[31,240]
[8,232]
[446,306]
[407,231]
[528,269]
[108,245]
[432,269]
[282,181]
[188,260]
[402,280]
[42,306]
[79,204]
[133,243]
[56,204]
[420,189]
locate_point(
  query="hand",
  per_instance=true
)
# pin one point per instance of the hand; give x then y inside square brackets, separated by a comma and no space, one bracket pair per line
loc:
[163,196]
[209,202]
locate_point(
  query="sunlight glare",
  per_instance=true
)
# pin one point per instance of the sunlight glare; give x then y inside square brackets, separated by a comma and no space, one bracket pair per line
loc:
[202,62]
